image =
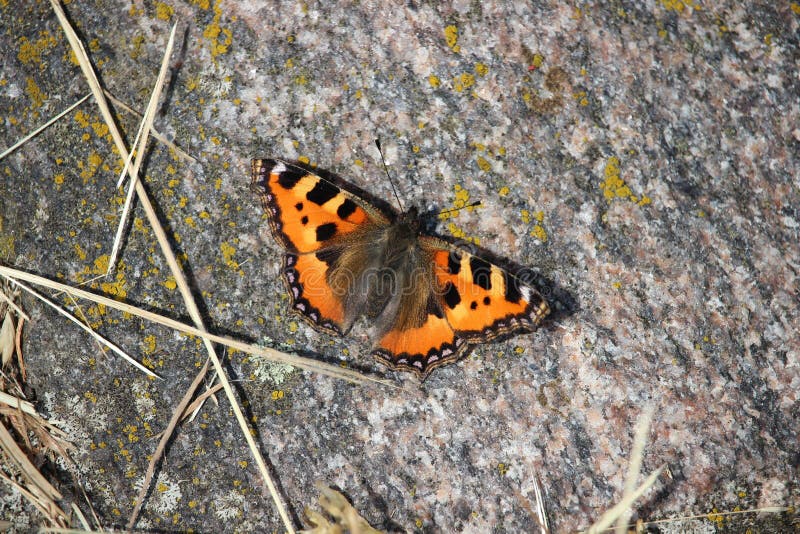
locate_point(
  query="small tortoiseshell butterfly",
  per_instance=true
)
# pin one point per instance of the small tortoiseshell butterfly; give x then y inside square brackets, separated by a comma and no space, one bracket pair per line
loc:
[428,300]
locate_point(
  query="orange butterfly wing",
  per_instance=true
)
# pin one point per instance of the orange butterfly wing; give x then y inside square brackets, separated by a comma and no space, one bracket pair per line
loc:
[469,300]
[419,338]
[481,300]
[305,211]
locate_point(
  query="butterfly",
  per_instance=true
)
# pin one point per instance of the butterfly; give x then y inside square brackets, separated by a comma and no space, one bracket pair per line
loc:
[427,299]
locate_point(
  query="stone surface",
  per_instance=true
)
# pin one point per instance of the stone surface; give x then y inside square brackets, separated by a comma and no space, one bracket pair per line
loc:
[642,157]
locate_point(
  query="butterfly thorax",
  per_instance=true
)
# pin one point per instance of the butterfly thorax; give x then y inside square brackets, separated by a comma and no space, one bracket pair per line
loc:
[409,222]
[397,256]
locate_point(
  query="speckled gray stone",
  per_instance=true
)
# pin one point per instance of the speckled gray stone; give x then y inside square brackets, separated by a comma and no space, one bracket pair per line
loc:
[642,157]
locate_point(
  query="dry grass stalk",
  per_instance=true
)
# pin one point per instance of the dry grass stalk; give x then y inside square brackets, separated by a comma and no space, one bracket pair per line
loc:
[155,133]
[541,512]
[7,349]
[631,492]
[620,514]
[97,337]
[163,242]
[195,404]
[271,354]
[8,300]
[162,444]
[714,516]
[81,518]
[17,403]
[11,334]
[140,148]
[41,128]
[635,464]
[611,515]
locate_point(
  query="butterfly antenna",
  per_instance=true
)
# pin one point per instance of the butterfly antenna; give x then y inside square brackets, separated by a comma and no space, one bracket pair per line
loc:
[386,169]
[476,203]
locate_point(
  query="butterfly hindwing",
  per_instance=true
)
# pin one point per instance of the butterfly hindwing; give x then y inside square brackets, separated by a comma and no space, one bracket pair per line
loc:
[464,300]
[305,279]
[415,335]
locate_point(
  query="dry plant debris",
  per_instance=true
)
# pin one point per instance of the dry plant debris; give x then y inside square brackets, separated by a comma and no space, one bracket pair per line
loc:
[27,439]
[344,519]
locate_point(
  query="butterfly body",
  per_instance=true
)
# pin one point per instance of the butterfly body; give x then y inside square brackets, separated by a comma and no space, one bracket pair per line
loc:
[426,300]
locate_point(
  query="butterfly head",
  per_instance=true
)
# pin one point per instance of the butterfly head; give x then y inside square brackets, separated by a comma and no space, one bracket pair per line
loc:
[409,221]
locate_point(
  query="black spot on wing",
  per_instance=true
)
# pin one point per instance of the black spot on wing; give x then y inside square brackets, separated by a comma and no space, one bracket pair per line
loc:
[346,209]
[432,307]
[322,192]
[513,294]
[451,296]
[289,177]
[454,262]
[481,272]
[304,220]
[536,300]
[299,206]
[329,255]
[326,231]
